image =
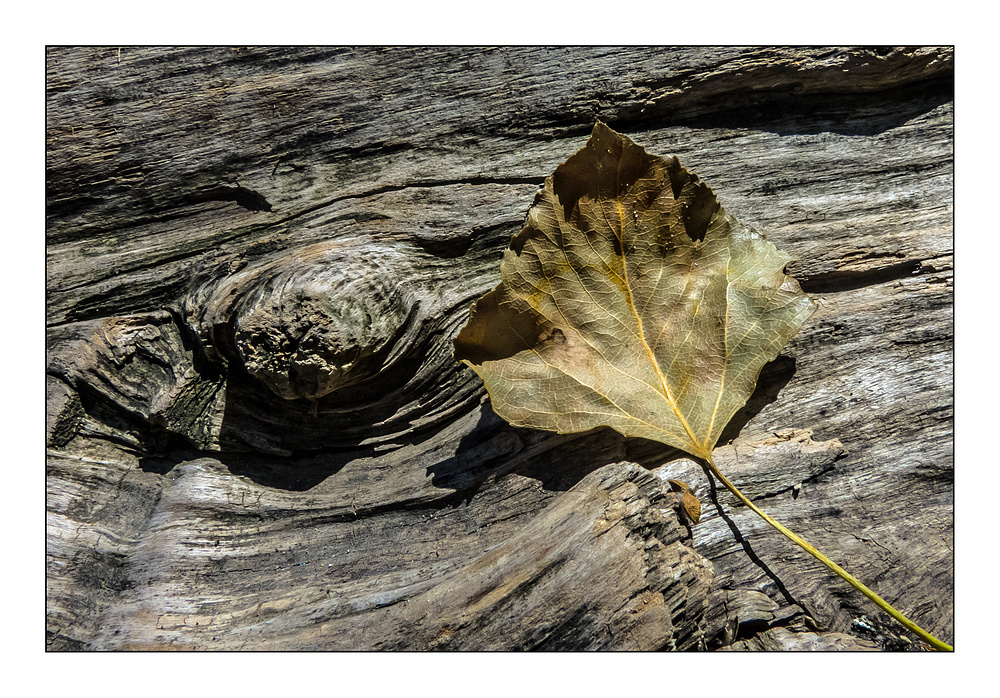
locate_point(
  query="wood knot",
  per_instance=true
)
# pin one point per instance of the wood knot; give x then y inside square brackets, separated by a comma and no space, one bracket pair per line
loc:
[312,322]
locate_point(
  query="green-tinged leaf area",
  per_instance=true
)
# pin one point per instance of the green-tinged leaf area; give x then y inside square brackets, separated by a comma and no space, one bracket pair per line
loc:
[631,299]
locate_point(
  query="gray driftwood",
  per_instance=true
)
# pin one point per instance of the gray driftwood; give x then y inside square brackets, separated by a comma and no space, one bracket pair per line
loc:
[257,437]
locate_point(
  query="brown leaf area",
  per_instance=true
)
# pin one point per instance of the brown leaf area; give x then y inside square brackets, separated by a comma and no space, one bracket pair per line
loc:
[691,504]
[631,299]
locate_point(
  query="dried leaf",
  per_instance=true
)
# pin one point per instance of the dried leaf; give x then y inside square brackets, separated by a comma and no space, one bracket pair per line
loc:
[679,486]
[692,507]
[631,299]
[691,504]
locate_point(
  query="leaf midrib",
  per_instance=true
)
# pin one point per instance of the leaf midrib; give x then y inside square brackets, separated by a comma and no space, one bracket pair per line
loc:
[629,299]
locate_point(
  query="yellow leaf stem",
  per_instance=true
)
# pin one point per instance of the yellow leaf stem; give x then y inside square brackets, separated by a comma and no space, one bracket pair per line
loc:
[841,572]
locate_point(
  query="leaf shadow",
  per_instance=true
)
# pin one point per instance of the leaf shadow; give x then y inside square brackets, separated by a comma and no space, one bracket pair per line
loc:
[772,380]
[493,448]
[744,543]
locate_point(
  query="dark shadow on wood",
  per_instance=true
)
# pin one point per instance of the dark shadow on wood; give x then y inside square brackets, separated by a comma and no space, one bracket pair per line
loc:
[744,543]
[486,450]
[787,113]
[294,474]
[493,448]
[567,459]
[255,419]
[772,380]
[838,282]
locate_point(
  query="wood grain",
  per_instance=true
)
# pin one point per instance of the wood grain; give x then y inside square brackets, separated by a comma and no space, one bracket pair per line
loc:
[257,435]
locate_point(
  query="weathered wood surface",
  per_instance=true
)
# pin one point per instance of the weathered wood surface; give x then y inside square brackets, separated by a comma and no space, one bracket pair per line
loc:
[257,437]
